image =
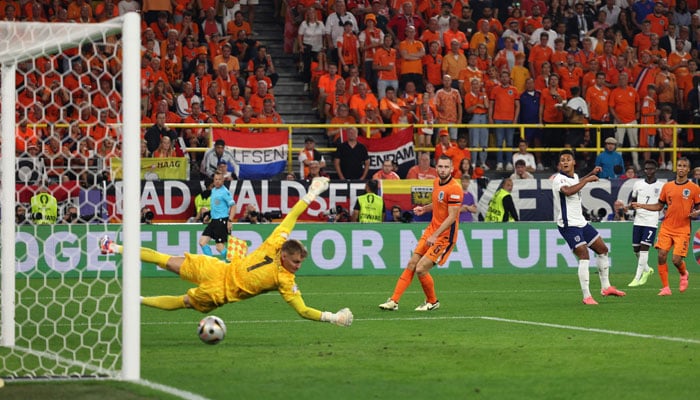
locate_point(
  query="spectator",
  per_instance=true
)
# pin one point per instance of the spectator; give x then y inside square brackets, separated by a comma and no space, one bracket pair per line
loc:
[396,214]
[666,137]
[501,207]
[360,101]
[610,161]
[397,25]
[412,52]
[459,153]
[334,28]
[624,109]
[619,213]
[309,154]
[504,109]
[213,156]
[468,204]
[520,171]
[448,103]
[21,215]
[351,159]
[486,37]
[422,170]
[385,59]
[185,99]
[453,63]
[315,170]
[387,172]
[371,39]
[326,88]
[158,130]
[338,135]
[166,149]
[526,156]
[372,116]
[575,112]
[310,34]
[369,207]
[432,64]
[476,104]
[348,47]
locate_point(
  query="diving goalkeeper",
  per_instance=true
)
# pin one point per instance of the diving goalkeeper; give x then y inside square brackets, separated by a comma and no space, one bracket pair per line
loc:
[271,266]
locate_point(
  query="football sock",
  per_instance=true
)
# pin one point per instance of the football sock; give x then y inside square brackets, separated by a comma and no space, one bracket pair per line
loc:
[643,261]
[603,263]
[663,274]
[206,250]
[223,254]
[583,275]
[681,268]
[402,284]
[428,287]
[164,302]
[154,257]
[288,222]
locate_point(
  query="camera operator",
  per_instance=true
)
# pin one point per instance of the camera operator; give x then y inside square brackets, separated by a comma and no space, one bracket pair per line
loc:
[619,212]
[400,216]
[202,204]
[252,216]
[147,215]
[70,214]
[21,215]
[338,214]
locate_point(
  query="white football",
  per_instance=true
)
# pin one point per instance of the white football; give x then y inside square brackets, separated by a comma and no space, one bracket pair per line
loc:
[211,329]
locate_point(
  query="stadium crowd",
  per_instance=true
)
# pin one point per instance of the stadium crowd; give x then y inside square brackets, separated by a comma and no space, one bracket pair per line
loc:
[615,62]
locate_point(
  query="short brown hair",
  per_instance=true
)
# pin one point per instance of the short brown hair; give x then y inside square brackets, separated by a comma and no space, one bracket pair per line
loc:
[293,246]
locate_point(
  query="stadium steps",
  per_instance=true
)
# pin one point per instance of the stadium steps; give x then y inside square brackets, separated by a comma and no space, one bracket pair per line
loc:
[292,103]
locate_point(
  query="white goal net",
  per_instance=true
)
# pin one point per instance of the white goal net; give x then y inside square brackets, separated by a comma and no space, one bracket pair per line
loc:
[66,310]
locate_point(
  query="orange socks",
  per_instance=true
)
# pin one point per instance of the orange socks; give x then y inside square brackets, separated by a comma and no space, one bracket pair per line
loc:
[663,274]
[403,283]
[428,288]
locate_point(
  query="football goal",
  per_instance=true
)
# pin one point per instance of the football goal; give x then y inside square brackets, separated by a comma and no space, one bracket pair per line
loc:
[70,101]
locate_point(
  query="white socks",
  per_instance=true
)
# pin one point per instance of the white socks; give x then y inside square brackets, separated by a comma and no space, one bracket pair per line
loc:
[603,264]
[583,277]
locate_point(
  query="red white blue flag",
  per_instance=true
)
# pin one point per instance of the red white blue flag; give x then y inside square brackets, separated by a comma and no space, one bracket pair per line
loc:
[258,155]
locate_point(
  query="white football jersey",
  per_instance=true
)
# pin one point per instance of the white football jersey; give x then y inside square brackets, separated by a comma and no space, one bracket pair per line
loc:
[567,209]
[646,193]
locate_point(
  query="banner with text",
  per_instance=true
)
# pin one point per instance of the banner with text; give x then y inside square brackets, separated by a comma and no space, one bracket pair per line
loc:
[155,169]
[258,155]
[340,249]
[397,147]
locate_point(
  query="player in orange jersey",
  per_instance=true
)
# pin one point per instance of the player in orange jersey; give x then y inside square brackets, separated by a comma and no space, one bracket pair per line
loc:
[681,198]
[438,239]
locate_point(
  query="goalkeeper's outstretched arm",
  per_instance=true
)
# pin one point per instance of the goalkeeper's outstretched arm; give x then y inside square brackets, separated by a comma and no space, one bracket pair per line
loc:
[343,317]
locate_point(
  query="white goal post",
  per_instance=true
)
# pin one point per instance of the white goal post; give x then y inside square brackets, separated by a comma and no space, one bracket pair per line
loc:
[22,42]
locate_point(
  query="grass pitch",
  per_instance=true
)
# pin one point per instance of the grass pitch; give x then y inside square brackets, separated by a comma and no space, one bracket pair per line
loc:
[494,337]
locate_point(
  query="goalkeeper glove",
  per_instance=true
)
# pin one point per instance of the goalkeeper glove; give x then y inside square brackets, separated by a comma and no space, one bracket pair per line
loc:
[341,318]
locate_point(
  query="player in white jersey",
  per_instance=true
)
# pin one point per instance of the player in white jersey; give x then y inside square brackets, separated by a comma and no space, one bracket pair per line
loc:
[645,222]
[578,233]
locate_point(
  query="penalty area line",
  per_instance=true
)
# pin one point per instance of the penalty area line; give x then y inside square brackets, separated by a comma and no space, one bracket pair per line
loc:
[594,330]
[185,395]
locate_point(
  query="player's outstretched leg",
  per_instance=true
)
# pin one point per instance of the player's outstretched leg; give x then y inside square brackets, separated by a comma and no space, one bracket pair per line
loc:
[108,246]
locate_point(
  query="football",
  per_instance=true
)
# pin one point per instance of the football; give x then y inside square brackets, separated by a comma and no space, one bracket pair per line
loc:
[211,329]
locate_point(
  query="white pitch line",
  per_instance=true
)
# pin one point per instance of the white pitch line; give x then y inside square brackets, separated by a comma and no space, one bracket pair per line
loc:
[595,330]
[185,395]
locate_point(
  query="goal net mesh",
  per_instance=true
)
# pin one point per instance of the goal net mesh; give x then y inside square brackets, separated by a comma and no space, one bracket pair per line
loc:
[67,308]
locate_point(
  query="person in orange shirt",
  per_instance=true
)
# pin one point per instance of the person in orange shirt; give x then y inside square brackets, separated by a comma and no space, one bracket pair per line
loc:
[360,100]
[372,116]
[570,75]
[681,199]
[341,97]
[558,58]
[426,114]
[437,241]
[385,59]
[448,103]
[467,74]
[540,54]
[667,87]
[268,115]
[476,104]
[642,40]
[432,64]
[453,33]
[326,87]
[412,52]
[648,115]
[443,143]
[422,170]
[335,135]
[644,73]
[238,24]
[348,46]
[459,153]
[454,62]
[598,96]
[624,110]
[552,102]
[484,36]
[504,109]
[658,22]
[387,171]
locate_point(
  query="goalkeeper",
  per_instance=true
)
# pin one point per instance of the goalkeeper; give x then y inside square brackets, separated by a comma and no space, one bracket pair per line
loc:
[271,266]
